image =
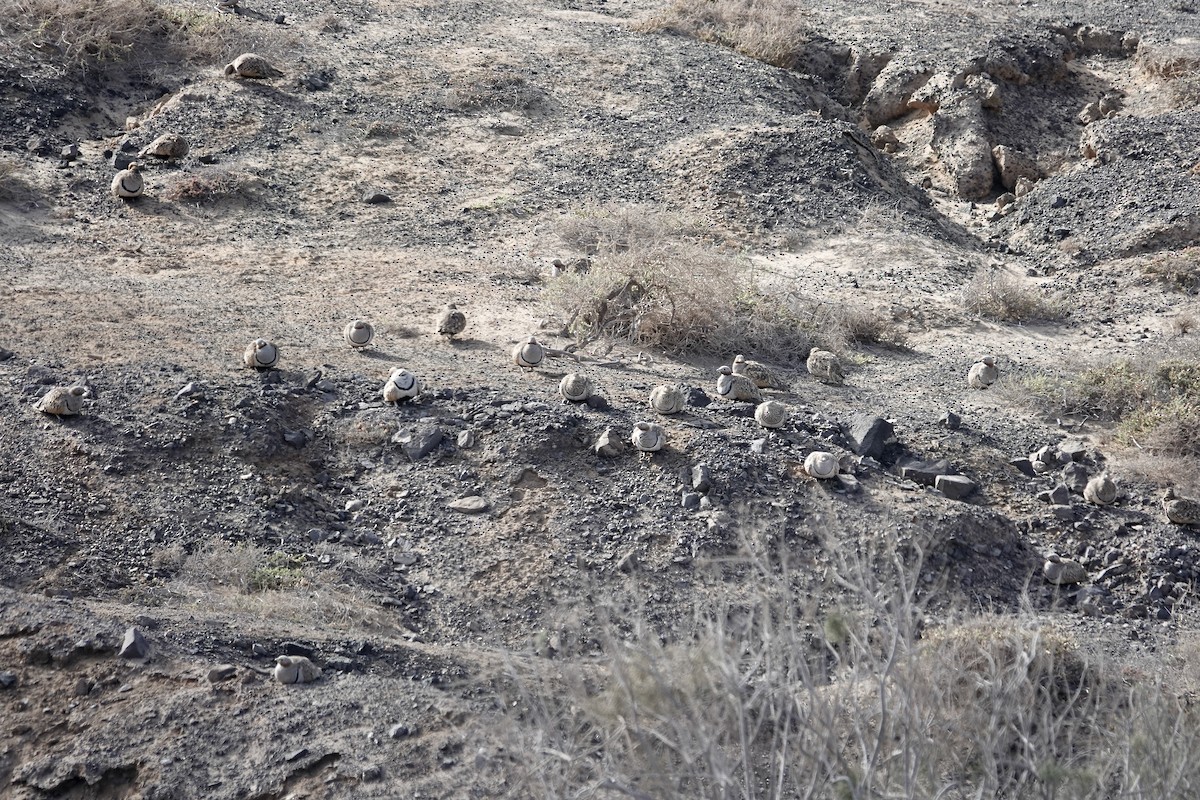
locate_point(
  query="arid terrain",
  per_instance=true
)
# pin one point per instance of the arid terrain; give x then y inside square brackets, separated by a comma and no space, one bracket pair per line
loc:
[498,606]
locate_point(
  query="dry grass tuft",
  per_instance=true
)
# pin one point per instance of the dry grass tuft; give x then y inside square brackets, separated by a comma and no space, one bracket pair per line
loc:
[92,35]
[1154,401]
[1179,269]
[773,31]
[656,282]
[502,88]
[856,702]
[210,186]
[999,297]
[244,568]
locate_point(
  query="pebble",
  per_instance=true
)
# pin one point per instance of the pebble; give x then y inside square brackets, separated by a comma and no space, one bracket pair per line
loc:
[868,435]
[374,198]
[134,645]
[701,478]
[610,444]
[467,439]
[356,504]
[597,403]
[955,487]
[420,443]
[221,672]
[473,504]
[950,421]
[691,501]
[1075,477]
[297,649]
[399,731]
[758,446]
[1060,495]
[1024,466]
[8,680]
[1064,512]
[697,398]
[925,472]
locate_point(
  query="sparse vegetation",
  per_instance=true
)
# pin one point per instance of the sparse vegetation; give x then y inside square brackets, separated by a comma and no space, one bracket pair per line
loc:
[1179,269]
[773,31]
[242,567]
[95,34]
[1001,298]
[655,281]
[854,702]
[501,88]
[1155,402]
[210,187]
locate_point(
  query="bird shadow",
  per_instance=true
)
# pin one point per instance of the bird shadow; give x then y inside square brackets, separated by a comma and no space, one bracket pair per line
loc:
[380,355]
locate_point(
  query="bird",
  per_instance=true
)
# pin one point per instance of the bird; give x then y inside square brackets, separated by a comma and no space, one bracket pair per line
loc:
[983,373]
[359,333]
[401,387]
[648,437]
[667,399]
[1181,510]
[295,669]
[771,414]
[825,367]
[250,65]
[737,387]
[451,321]
[820,464]
[128,184]
[260,354]
[762,375]
[1061,571]
[528,354]
[168,147]
[1100,491]
[62,401]
[576,387]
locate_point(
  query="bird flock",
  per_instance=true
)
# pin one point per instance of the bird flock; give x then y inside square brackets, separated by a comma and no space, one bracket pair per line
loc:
[739,382]
[128,184]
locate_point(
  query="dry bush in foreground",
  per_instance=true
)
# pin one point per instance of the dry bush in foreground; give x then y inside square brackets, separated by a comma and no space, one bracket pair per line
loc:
[856,702]
[768,30]
[653,281]
[1001,298]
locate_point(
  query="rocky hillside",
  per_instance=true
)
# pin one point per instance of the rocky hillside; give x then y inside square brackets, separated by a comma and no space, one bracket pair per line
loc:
[504,597]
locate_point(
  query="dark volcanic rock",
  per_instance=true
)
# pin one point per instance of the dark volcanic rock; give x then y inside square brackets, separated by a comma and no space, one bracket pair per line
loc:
[868,435]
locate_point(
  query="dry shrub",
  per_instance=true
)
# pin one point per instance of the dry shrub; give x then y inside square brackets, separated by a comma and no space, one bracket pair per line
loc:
[653,280]
[330,23]
[210,187]
[1179,269]
[501,88]
[781,705]
[768,30]
[1154,400]
[1168,61]
[996,296]
[11,187]
[653,285]
[850,325]
[93,34]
